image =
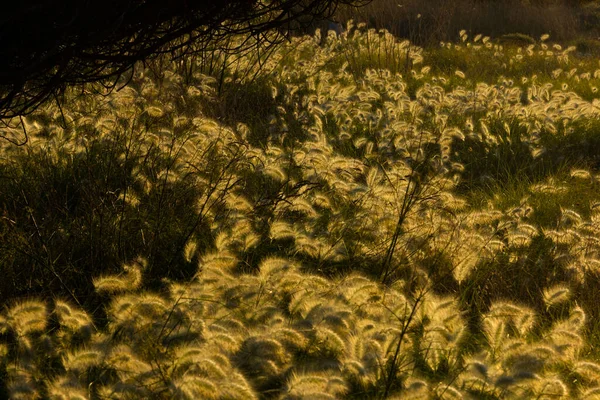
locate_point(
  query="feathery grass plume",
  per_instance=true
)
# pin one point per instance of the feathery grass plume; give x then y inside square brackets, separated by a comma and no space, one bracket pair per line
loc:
[577,318]
[155,111]
[27,317]
[276,172]
[446,391]
[4,352]
[373,177]
[129,367]
[527,229]
[480,388]
[565,340]
[148,304]
[591,394]
[588,370]
[495,246]
[518,240]
[266,311]
[303,206]
[279,279]
[559,237]
[73,319]
[244,294]
[336,314]
[138,317]
[527,359]
[181,329]
[580,174]
[478,368]
[238,203]
[358,290]
[282,230]
[495,333]
[291,339]
[262,358]
[190,387]
[484,217]
[130,199]
[442,330]
[65,389]
[321,200]
[218,263]
[570,218]
[81,360]
[520,319]
[537,152]
[589,243]
[129,281]
[370,312]
[312,247]
[465,264]
[452,202]
[223,322]
[237,388]
[228,343]
[328,343]
[595,217]
[189,250]
[439,347]
[276,266]
[189,295]
[590,228]
[307,296]
[22,386]
[507,382]
[250,240]
[583,265]
[198,360]
[414,389]
[321,385]
[549,388]
[362,359]
[556,294]
[222,241]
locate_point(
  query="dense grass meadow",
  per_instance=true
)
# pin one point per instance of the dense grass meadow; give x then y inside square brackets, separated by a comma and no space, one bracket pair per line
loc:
[349,216]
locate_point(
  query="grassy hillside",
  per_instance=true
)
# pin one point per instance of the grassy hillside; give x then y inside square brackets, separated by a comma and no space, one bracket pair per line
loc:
[349,217]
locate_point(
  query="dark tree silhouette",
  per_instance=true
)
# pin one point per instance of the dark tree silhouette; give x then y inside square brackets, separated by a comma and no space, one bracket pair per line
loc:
[47,45]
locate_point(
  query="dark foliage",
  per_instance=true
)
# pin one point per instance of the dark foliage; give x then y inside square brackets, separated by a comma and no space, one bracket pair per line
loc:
[47,45]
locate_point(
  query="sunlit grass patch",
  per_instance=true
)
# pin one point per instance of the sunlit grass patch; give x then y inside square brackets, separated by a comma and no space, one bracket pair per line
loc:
[543,202]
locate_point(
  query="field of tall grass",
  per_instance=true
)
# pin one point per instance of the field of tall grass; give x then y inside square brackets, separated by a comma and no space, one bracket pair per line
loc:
[428,22]
[341,216]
